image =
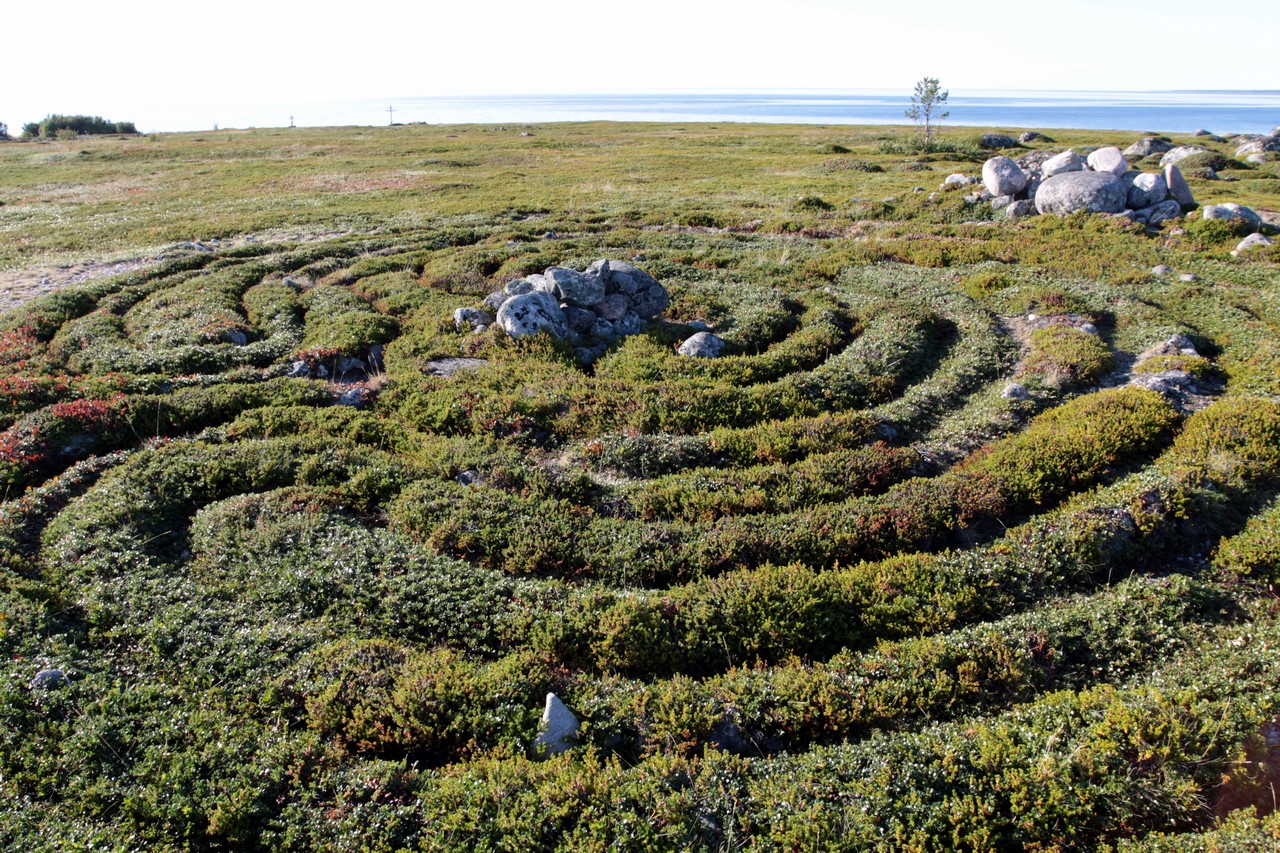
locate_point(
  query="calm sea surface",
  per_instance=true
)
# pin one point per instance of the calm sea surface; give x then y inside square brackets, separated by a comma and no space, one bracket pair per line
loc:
[1175,112]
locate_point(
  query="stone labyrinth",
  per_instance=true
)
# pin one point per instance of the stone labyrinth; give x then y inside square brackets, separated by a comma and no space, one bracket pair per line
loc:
[282,537]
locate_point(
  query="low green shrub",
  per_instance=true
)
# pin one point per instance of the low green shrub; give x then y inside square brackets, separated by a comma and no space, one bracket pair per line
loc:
[1068,356]
[1254,551]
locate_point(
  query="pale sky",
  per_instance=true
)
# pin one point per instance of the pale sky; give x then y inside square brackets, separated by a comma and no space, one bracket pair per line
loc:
[116,59]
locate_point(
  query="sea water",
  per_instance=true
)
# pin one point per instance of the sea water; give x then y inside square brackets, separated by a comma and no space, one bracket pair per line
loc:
[1165,112]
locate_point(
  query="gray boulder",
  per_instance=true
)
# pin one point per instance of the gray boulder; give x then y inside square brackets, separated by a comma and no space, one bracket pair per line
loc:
[1180,153]
[1146,146]
[1000,202]
[612,307]
[1162,212]
[702,345]
[1261,145]
[1256,157]
[49,679]
[494,300]
[1095,192]
[1179,190]
[518,286]
[1144,189]
[1033,161]
[1002,176]
[1020,210]
[580,319]
[530,313]
[559,729]
[1231,210]
[630,324]
[644,295]
[574,287]
[1161,269]
[1108,159]
[956,179]
[1014,391]
[1253,241]
[1032,136]
[1067,161]
[466,319]
[998,140]
[603,329]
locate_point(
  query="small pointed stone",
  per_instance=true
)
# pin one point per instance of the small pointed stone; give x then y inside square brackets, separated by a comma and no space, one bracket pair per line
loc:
[559,730]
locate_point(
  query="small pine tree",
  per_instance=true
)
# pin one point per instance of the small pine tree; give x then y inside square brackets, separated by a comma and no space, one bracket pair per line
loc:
[925,103]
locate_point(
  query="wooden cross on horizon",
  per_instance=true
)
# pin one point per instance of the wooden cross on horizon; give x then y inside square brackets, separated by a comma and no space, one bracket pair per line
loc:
[391,111]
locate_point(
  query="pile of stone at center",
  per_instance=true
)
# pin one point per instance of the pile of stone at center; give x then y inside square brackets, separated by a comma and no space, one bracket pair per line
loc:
[593,308]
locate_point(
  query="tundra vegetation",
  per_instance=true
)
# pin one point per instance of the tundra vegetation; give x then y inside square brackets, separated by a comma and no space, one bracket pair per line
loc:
[840,588]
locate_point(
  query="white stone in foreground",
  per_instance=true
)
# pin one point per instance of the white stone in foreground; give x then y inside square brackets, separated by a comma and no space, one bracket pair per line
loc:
[559,730]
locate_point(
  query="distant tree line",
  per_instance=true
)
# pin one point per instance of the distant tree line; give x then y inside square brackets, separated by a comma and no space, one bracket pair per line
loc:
[51,125]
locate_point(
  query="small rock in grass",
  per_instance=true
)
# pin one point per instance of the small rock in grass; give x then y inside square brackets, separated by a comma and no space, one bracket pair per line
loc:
[1188,277]
[1231,210]
[49,679]
[299,370]
[1253,241]
[1161,269]
[1014,391]
[702,345]
[466,319]
[559,729]
[1032,136]
[1088,328]
[1021,210]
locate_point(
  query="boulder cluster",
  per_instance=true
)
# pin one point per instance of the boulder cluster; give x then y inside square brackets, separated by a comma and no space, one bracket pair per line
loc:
[593,308]
[1045,182]
[1101,182]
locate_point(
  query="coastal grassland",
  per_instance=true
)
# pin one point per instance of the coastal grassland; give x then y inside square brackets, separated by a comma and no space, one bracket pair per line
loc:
[102,196]
[841,588]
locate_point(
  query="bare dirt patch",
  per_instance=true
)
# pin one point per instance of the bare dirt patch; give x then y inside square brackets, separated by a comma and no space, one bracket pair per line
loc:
[20,286]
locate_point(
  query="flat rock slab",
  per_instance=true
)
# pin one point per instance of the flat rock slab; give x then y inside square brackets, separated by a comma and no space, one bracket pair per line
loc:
[450,366]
